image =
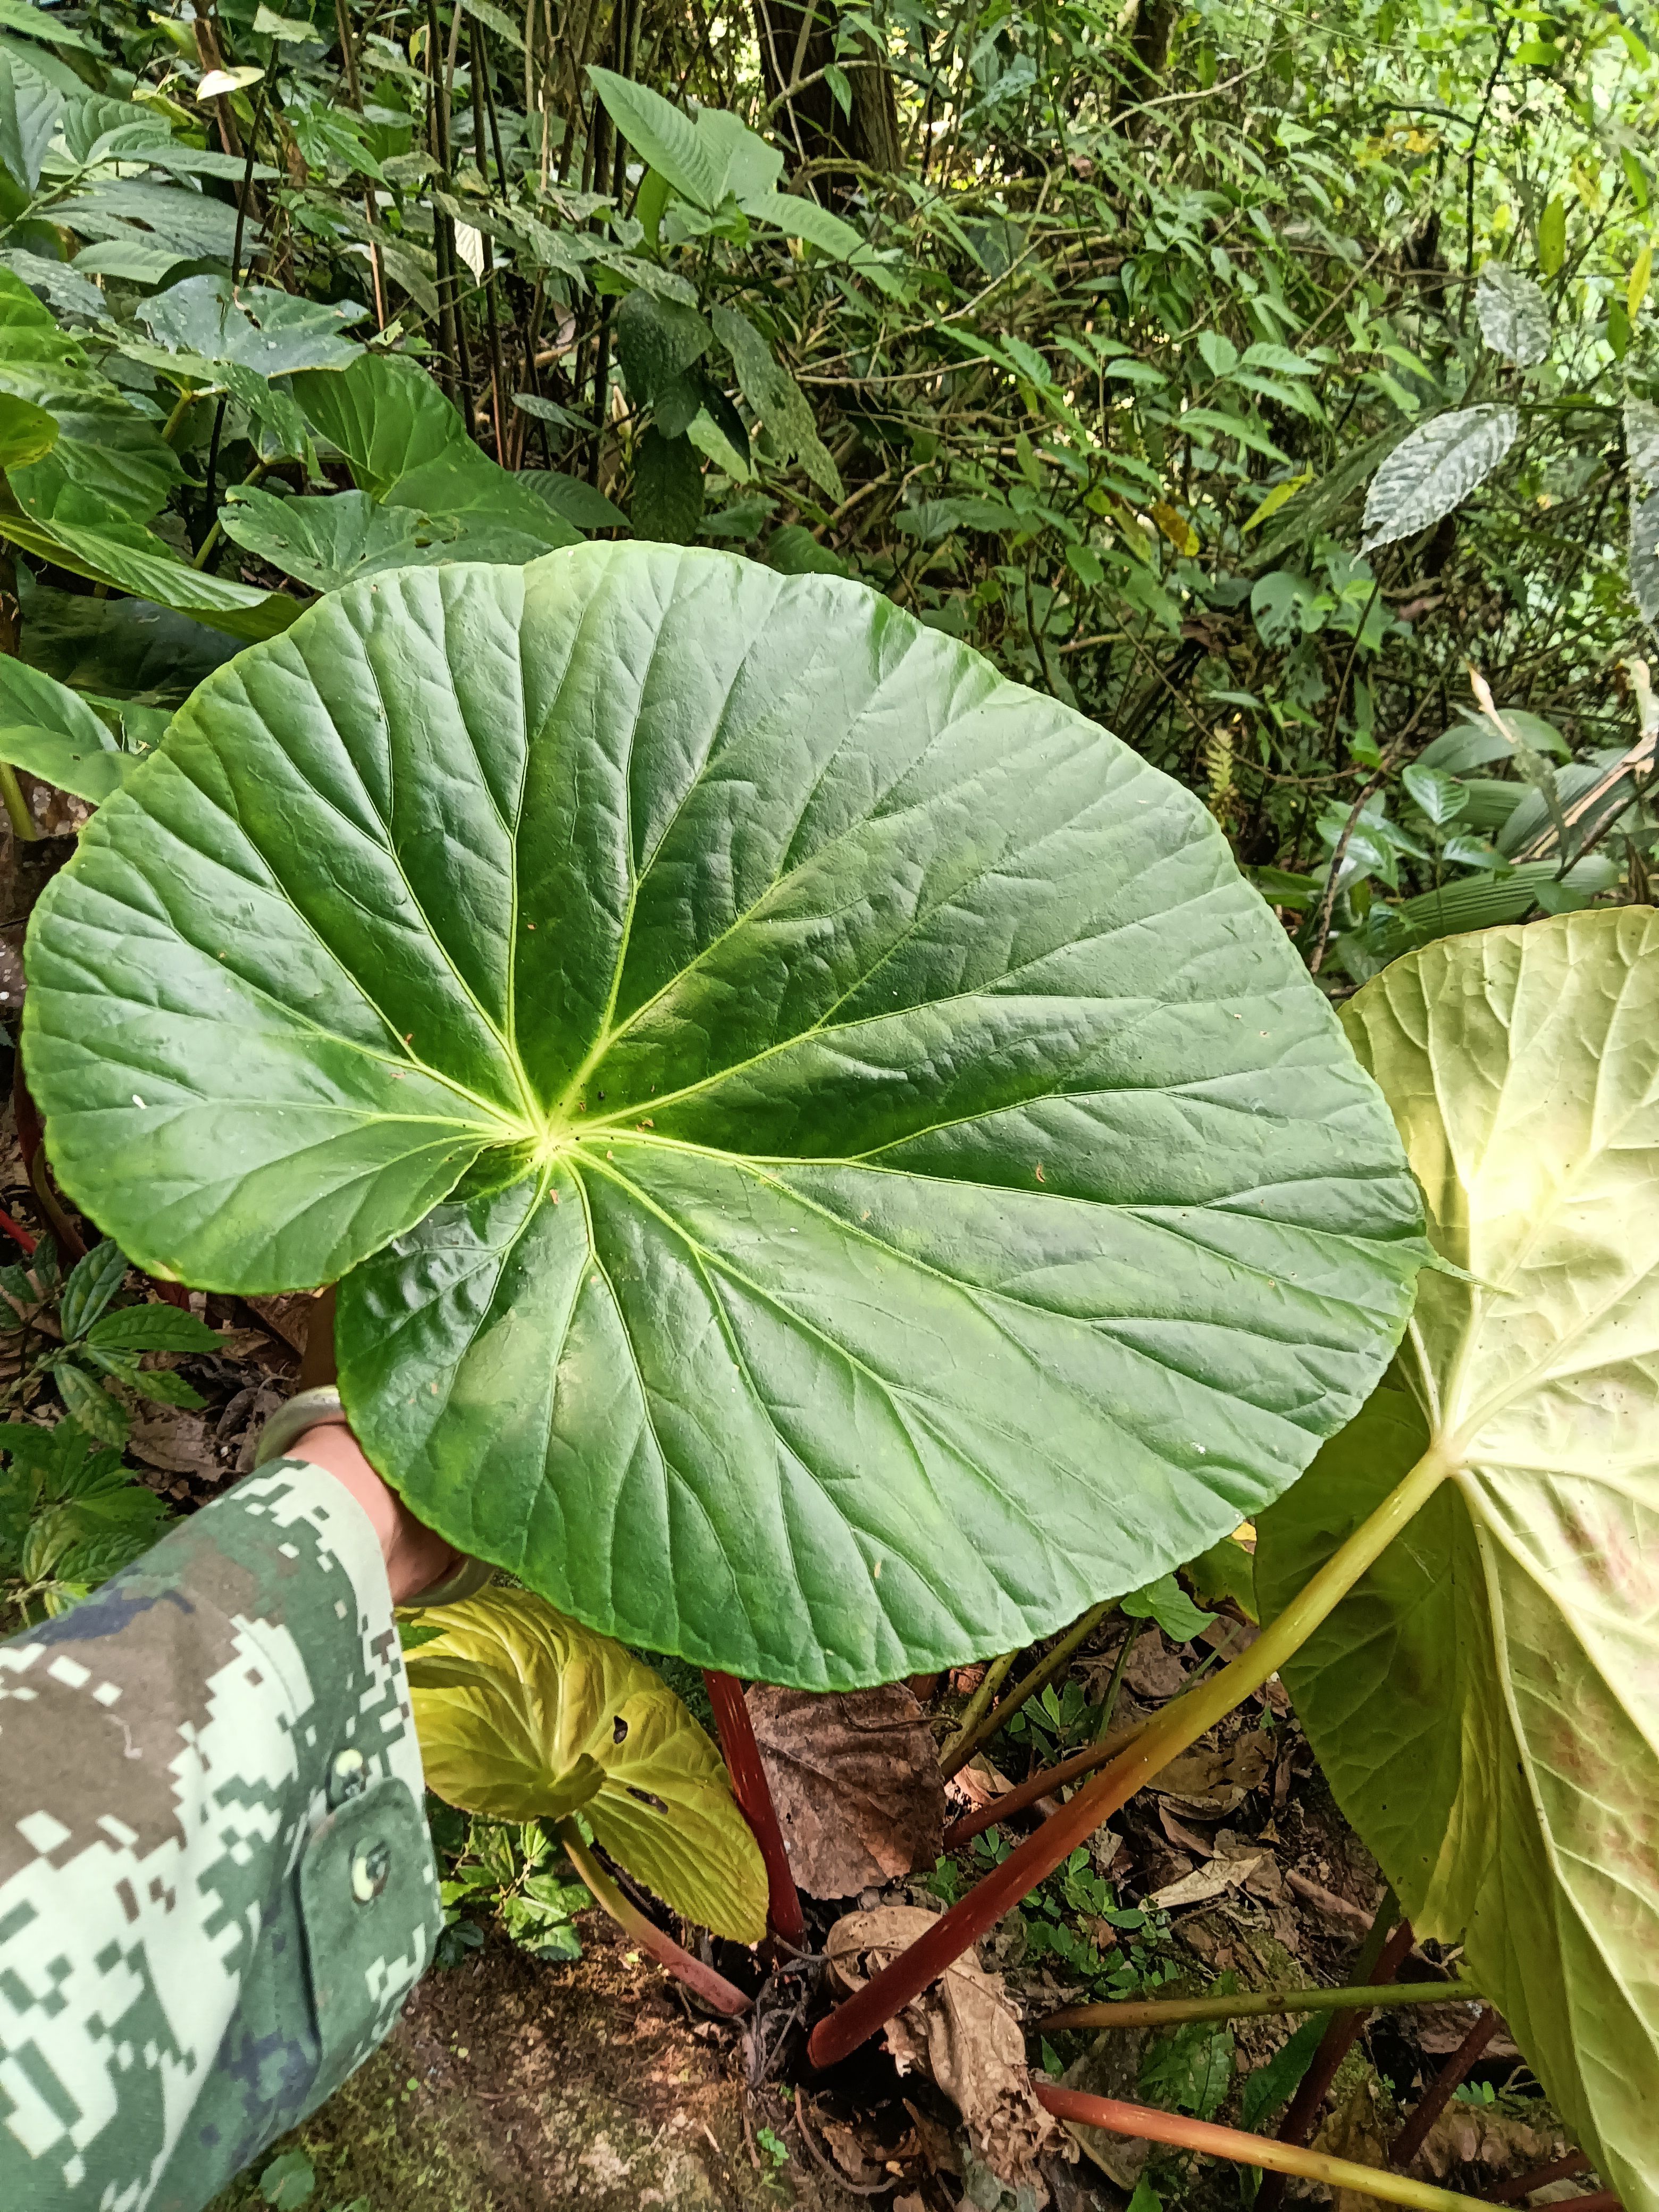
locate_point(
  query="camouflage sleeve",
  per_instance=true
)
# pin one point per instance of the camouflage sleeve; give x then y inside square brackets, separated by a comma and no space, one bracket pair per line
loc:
[216,1887]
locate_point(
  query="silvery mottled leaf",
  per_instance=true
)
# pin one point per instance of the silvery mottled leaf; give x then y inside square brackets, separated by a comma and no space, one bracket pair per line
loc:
[1513,314]
[1435,470]
[1642,450]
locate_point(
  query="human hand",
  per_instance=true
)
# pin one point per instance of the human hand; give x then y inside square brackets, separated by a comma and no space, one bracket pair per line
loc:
[415,1558]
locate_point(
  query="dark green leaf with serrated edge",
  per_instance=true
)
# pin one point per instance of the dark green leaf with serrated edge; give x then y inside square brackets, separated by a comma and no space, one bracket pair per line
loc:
[833,1168]
[89,1403]
[153,1328]
[93,1282]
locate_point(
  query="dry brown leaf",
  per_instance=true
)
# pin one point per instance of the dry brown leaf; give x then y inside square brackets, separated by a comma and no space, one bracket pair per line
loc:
[1327,1902]
[977,1783]
[254,1346]
[1152,1669]
[177,1443]
[846,2145]
[1468,2135]
[1204,1882]
[288,1313]
[855,1777]
[965,2033]
[1217,1783]
[1183,1837]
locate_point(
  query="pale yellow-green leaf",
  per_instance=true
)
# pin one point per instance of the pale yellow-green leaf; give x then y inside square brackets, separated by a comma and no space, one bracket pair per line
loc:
[1553,236]
[1640,277]
[1486,1701]
[1280,495]
[523,1715]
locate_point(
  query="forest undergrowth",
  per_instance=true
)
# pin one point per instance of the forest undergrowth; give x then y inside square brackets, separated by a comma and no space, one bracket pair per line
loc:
[1275,387]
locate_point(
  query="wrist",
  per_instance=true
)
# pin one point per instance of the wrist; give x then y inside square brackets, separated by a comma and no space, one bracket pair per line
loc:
[415,1558]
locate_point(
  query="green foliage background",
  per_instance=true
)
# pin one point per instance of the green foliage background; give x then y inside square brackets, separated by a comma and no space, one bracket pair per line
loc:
[1078,332]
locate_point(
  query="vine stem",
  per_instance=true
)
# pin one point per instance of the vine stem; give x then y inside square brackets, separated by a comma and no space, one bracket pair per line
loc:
[1164,1737]
[1253,2004]
[973,1740]
[713,1988]
[977,1706]
[1211,2141]
[754,1796]
[1435,2098]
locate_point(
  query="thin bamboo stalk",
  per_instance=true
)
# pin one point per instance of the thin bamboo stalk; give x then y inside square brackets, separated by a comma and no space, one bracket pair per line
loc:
[1023,1690]
[978,1705]
[1264,2151]
[1256,2004]
[713,1988]
[1164,1737]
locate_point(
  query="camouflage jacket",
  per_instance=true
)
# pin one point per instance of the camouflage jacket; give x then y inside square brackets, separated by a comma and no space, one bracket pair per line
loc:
[216,1887]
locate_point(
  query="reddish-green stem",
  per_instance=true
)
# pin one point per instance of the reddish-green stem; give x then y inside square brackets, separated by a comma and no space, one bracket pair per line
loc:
[1086,1761]
[1164,1738]
[19,1235]
[1211,2141]
[1558,2169]
[1381,1957]
[713,1988]
[1435,2098]
[1256,2004]
[754,1796]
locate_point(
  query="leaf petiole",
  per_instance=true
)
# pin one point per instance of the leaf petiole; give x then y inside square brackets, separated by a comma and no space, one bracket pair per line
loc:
[1175,1730]
[713,1988]
[1151,2125]
[1254,2004]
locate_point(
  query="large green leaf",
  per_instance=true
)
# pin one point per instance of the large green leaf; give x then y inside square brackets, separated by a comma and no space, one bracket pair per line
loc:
[159,217]
[329,539]
[29,108]
[1486,1702]
[707,159]
[833,1170]
[84,504]
[131,648]
[50,731]
[104,446]
[407,446]
[524,1716]
[269,331]
[85,535]
[26,431]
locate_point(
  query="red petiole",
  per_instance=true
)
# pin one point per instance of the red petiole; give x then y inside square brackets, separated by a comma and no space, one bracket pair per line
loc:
[1169,1732]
